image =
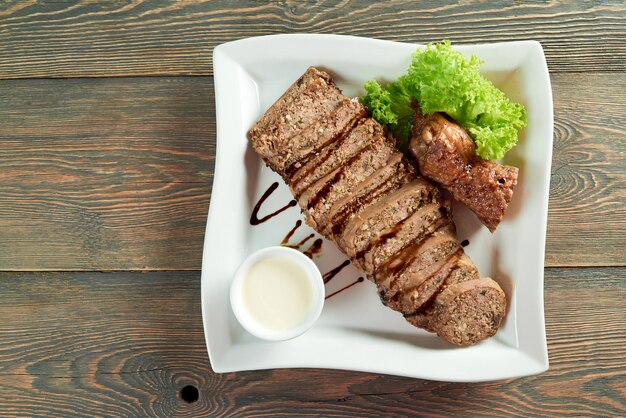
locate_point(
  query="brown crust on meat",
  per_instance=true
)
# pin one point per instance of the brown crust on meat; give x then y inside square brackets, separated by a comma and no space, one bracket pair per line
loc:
[421,272]
[333,187]
[374,221]
[342,147]
[446,154]
[467,312]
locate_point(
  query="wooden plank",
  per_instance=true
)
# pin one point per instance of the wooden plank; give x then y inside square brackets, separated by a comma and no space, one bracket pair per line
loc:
[79,39]
[125,344]
[115,174]
[105,173]
[587,210]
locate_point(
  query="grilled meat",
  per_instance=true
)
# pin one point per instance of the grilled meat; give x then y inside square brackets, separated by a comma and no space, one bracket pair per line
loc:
[445,153]
[297,113]
[335,155]
[357,190]
[465,312]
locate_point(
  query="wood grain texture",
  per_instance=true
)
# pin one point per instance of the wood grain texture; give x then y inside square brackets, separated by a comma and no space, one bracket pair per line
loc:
[85,38]
[587,209]
[115,174]
[124,344]
[105,173]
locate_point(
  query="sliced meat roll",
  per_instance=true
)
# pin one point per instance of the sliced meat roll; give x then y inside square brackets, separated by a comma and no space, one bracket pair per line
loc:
[365,229]
[316,136]
[463,270]
[356,189]
[368,192]
[422,221]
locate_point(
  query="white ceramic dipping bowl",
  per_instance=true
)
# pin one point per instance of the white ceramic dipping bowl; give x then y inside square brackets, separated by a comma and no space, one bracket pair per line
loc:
[242,312]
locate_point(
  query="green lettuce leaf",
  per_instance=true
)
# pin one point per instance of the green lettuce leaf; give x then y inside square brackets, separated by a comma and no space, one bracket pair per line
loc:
[443,80]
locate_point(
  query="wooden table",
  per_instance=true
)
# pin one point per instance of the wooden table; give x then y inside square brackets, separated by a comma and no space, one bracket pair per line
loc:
[107,145]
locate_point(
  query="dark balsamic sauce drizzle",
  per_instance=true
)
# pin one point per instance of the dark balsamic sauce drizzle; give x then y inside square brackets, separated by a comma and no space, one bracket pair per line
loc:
[314,249]
[285,241]
[254,219]
[329,276]
[359,280]
[304,241]
[465,243]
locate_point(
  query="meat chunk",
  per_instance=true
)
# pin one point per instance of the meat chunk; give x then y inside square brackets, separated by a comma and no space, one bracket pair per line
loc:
[446,154]
[417,272]
[343,149]
[393,208]
[297,112]
[392,176]
[355,188]
[317,202]
[465,313]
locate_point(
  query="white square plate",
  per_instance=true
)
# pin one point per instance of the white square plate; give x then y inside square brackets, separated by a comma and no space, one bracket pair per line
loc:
[355,331]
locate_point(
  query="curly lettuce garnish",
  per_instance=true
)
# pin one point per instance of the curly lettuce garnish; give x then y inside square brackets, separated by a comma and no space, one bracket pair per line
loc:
[443,80]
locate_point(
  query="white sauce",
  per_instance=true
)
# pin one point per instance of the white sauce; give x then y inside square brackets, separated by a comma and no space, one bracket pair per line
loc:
[277,293]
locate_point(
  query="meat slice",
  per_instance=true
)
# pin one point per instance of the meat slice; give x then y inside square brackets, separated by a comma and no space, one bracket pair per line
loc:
[344,148]
[402,234]
[314,97]
[312,78]
[446,154]
[465,313]
[328,130]
[320,198]
[369,191]
[417,272]
[463,270]
[372,223]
